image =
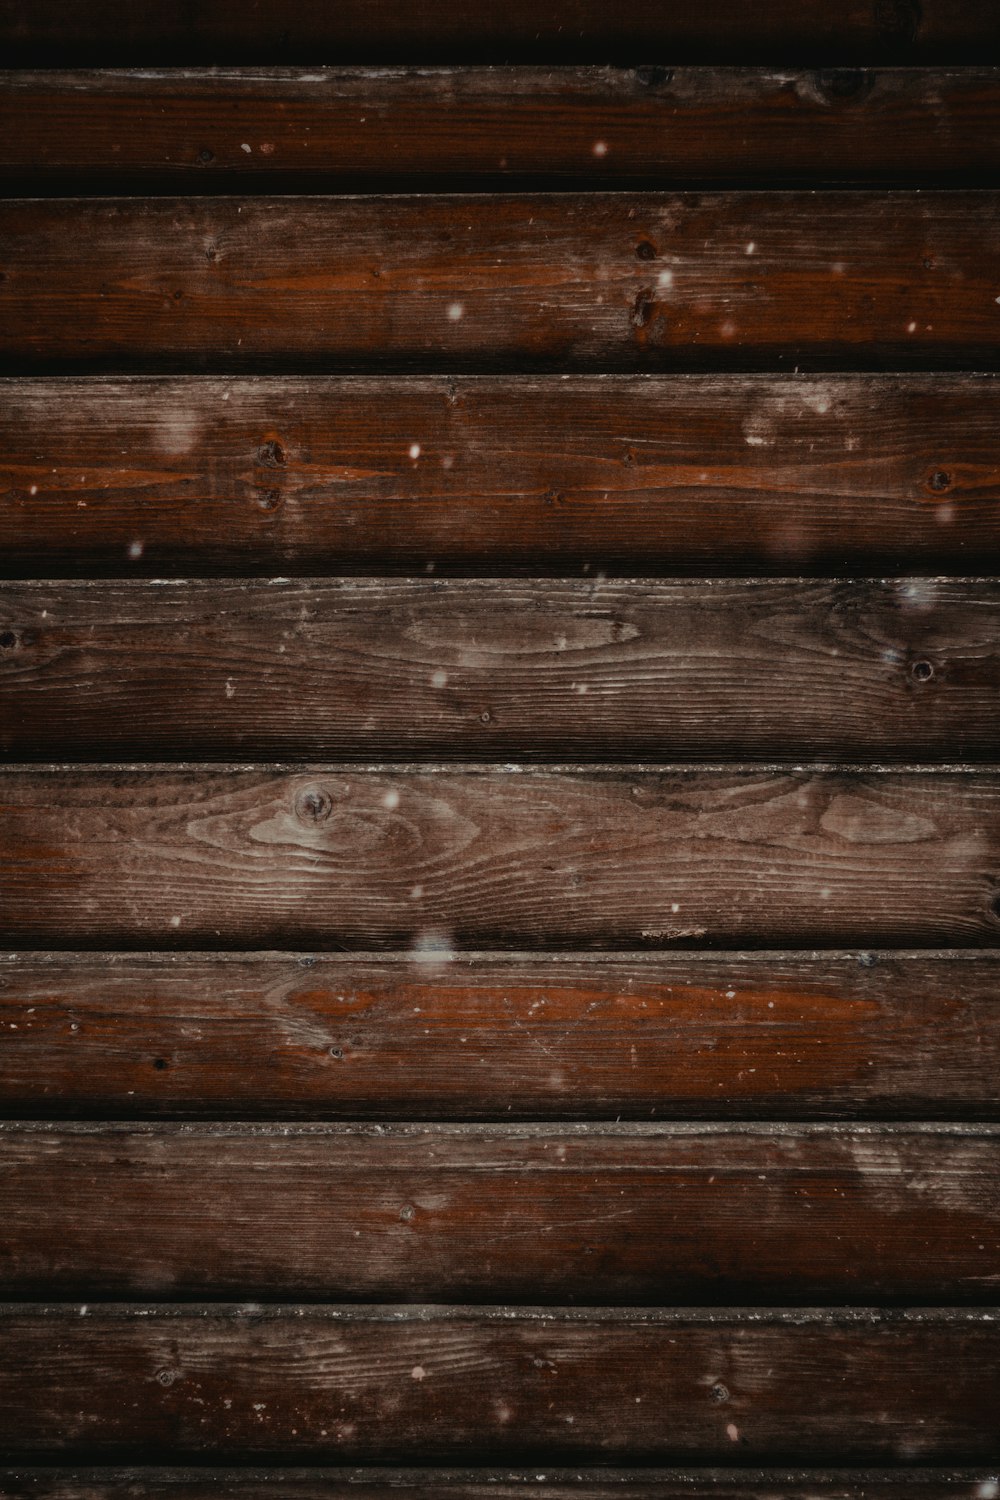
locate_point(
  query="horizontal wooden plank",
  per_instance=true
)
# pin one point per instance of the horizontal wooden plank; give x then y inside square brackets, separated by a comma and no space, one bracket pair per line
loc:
[434,858]
[453,1385]
[897,670]
[646,473]
[465,283]
[201,129]
[39,1483]
[147,32]
[616,1214]
[561,1036]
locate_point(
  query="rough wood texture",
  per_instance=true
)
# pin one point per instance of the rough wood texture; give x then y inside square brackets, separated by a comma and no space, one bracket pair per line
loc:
[460,1385]
[547,282]
[562,1036]
[482,383]
[592,1214]
[332,127]
[905,670]
[774,473]
[426,859]
[478,1484]
[149,32]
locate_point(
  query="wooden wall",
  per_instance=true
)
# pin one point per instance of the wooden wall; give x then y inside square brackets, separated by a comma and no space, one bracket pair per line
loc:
[500,813]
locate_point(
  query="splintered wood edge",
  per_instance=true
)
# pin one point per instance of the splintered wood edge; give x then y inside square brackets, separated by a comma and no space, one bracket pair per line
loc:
[508,957]
[487,1314]
[487,1477]
[503,1130]
[408,767]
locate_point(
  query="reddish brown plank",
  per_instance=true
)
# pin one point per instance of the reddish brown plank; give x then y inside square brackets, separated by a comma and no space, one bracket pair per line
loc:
[36,1483]
[561,281]
[562,1036]
[897,670]
[430,859]
[453,1385]
[592,1214]
[201,129]
[147,32]
[864,473]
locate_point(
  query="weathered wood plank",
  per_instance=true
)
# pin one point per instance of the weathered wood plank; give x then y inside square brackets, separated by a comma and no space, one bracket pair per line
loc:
[430,858]
[561,281]
[561,1036]
[592,1214]
[454,1385]
[147,32]
[294,476]
[38,1483]
[199,130]
[896,670]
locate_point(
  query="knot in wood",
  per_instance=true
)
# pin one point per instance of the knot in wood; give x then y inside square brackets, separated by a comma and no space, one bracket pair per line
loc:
[271,454]
[313,805]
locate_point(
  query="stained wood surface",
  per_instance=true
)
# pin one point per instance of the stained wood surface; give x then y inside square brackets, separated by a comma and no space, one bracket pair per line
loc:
[901,670]
[121,1383]
[596,1214]
[38,1483]
[586,317]
[429,860]
[147,32]
[563,282]
[776,1036]
[199,129]
[774,473]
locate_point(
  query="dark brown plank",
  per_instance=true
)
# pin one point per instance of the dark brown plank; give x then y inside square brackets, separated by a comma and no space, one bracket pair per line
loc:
[335,127]
[37,1483]
[147,32]
[562,1036]
[592,1214]
[559,281]
[295,476]
[901,670]
[429,859]
[454,1385]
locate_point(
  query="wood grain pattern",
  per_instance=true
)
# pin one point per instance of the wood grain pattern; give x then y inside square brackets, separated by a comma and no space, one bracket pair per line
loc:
[434,859]
[775,473]
[563,282]
[127,1383]
[904,670]
[199,130]
[558,332]
[149,33]
[39,1483]
[772,1036]
[592,1214]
